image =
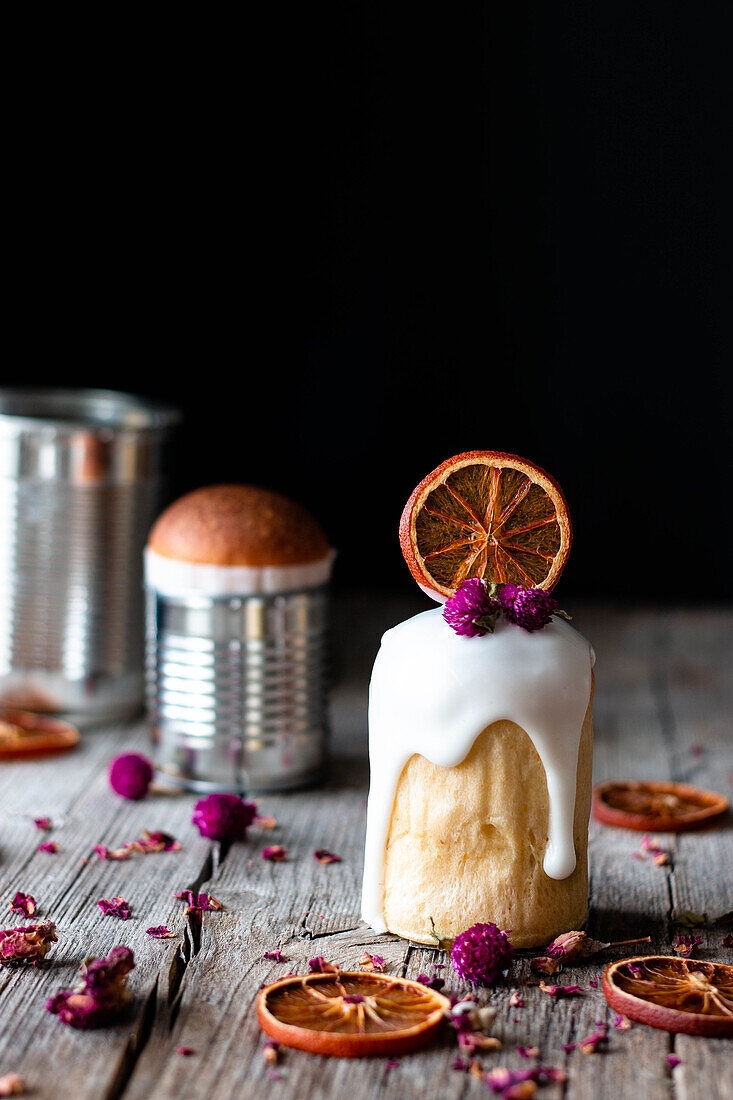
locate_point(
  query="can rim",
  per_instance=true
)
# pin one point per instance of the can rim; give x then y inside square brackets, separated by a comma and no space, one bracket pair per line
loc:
[77,409]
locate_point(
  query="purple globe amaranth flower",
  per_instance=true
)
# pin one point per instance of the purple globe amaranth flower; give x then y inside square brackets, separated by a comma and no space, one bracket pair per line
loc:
[530,608]
[223,816]
[481,953]
[130,775]
[471,611]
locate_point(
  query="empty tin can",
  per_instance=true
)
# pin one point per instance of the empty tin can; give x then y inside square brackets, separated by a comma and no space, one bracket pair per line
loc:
[237,645]
[80,483]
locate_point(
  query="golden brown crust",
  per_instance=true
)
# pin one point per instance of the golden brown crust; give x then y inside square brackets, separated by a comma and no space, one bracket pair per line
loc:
[238,525]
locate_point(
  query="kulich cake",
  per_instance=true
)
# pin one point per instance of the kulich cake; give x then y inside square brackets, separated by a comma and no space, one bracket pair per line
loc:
[237,539]
[480,726]
[237,640]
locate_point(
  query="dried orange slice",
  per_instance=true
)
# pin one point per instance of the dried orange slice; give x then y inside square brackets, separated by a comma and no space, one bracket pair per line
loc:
[655,807]
[23,734]
[672,994]
[485,514]
[351,1014]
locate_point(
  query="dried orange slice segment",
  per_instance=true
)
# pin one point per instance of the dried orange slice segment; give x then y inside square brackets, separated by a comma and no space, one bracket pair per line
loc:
[486,514]
[23,734]
[672,994]
[656,807]
[351,1014]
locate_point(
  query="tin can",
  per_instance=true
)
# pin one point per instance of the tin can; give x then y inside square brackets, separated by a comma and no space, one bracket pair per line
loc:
[80,484]
[237,688]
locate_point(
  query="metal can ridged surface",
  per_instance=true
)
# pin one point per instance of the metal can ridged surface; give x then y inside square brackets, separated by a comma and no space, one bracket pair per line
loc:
[80,484]
[237,689]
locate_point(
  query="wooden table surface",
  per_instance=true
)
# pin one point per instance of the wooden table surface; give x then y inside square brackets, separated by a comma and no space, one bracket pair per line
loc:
[662,710]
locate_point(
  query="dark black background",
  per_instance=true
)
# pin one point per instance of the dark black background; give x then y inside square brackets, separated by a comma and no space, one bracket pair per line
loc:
[353,241]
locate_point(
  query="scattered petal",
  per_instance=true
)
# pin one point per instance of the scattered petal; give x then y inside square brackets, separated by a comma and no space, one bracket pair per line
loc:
[185,1052]
[199,903]
[324,856]
[621,1023]
[561,990]
[275,853]
[543,964]
[391,1063]
[592,1042]
[265,822]
[49,846]
[100,993]
[371,962]
[528,1052]
[270,1052]
[118,907]
[11,1084]
[28,944]
[516,1000]
[43,823]
[23,903]
[112,853]
[432,983]
[161,932]
[274,956]
[319,965]
[673,1060]
[686,945]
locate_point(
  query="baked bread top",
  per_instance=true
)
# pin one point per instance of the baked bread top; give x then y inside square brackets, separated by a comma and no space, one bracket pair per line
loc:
[238,525]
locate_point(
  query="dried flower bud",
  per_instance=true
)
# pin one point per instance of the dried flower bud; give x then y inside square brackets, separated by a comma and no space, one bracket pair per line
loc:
[223,817]
[100,994]
[23,903]
[27,944]
[130,775]
[574,945]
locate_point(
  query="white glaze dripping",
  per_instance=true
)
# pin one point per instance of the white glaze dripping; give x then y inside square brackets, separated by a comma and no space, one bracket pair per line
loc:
[433,692]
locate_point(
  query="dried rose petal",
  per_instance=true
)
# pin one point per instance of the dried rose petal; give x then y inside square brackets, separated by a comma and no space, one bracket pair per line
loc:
[673,1060]
[561,990]
[118,907]
[156,841]
[319,965]
[621,1023]
[199,903]
[100,993]
[592,1042]
[543,964]
[324,856]
[49,846]
[371,962]
[686,945]
[161,932]
[265,822]
[112,853]
[43,823]
[28,944]
[274,956]
[270,1051]
[432,983]
[23,903]
[185,1052]
[12,1084]
[728,941]
[528,1052]
[275,853]
[391,1063]
[516,1000]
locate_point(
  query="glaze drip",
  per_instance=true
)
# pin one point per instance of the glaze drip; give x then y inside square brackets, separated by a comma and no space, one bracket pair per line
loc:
[433,692]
